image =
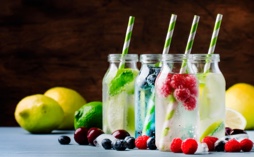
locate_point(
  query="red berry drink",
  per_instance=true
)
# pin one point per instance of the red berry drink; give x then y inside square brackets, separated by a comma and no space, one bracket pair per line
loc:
[176,101]
[118,94]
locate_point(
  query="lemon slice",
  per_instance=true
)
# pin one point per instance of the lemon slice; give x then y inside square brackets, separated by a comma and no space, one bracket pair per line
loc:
[234,119]
[212,129]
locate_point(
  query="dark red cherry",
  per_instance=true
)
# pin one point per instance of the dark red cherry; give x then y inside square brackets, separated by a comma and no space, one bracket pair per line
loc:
[93,133]
[80,136]
[120,134]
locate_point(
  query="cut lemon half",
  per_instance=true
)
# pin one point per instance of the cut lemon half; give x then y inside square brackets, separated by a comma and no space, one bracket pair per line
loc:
[234,119]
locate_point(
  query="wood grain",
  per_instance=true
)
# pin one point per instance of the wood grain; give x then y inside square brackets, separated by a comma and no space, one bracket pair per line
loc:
[48,43]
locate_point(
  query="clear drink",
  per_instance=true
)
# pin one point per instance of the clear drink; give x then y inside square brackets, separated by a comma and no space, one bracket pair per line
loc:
[145,93]
[118,94]
[176,101]
[211,98]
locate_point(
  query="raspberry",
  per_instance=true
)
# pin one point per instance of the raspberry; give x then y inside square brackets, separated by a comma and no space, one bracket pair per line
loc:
[182,94]
[232,146]
[189,146]
[165,88]
[175,145]
[178,81]
[246,145]
[190,103]
[140,142]
[210,141]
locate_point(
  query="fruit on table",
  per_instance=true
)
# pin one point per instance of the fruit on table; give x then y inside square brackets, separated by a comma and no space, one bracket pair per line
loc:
[93,133]
[64,139]
[120,145]
[130,142]
[151,143]
[89,115]
[106,143]
[80,136]
[240,97]
[70,101]
[234,119]
[120,134]
[38,114]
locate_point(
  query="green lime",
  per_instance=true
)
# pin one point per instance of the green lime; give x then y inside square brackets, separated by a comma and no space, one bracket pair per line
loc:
[213,128]
[89,115]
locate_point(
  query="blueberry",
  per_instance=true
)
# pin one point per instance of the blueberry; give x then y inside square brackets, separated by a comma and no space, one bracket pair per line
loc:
[219,145]
[151,133]
[151,79]
[151,143]
[130,142]
[106,143]
[120,145]
[64,139]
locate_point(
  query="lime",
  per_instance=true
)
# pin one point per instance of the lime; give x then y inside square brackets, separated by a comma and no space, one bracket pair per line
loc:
[89,115]
[70,101]
[240,97]
[234,119]
[38,114]
[212,129]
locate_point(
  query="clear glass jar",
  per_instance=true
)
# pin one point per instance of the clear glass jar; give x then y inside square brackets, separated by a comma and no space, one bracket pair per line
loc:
[176,91]
[118,94]
[211,97]
[145,93]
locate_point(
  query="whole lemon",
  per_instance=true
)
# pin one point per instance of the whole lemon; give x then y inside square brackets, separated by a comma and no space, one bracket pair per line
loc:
[38,114]
[89,115]
[70,101]
[240,97]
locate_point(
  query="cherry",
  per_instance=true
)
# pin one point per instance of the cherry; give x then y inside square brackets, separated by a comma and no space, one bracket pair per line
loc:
[93,133]
[237,131]
[120,134]
[80,136]
[227,131]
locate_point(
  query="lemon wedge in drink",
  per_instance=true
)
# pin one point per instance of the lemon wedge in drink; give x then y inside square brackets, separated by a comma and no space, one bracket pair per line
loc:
[234,119]
[212,129]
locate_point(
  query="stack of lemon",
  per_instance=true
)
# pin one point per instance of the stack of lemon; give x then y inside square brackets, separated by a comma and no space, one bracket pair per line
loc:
[42,113]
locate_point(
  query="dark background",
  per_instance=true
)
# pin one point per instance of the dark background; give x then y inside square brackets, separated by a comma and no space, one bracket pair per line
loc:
[47,43]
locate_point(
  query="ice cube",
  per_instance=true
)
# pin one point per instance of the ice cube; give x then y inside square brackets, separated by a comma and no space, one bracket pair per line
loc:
[98,140]
[202,148]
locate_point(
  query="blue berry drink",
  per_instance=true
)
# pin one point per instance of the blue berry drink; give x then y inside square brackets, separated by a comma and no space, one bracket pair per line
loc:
[144,95]
[176,94]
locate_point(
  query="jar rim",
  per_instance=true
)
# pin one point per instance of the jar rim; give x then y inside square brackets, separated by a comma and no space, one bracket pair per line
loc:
[175,57]
[207,57]
[127,57]
[150,58]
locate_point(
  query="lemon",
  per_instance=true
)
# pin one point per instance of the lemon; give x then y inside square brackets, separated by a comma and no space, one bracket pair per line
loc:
[234,119]
[38,114]
[89,115]
[70,101]
[240,97]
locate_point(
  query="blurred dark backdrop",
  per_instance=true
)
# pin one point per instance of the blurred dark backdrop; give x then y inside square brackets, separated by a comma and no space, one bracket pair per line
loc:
[47,43]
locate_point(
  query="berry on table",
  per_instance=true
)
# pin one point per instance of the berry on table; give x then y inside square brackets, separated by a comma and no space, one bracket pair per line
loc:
[64,139]
[80,136]
[246,145]
[120,145]
[120,134]
[93,133]
[189,146]
[151,143]
[210,141]
[130,142]
[106,143]
[232,146]
[140,142]
[175,145]
[219,145]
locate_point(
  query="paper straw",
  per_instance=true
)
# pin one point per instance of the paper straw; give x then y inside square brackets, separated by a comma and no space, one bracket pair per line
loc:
[213,40]
[190,41]
[127,40]
[215,34]
[171,28]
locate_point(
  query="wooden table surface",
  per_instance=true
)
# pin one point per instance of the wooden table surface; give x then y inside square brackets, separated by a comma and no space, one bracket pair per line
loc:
[16,142]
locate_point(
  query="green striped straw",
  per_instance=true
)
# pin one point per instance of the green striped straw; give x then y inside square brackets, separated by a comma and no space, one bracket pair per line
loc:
[127,40]
[213,39]
[171,28]
[190,40]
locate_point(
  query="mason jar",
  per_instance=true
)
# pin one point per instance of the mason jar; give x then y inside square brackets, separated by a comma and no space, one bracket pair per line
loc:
[211,98]
[145,93]
[118,93]
[176,94]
